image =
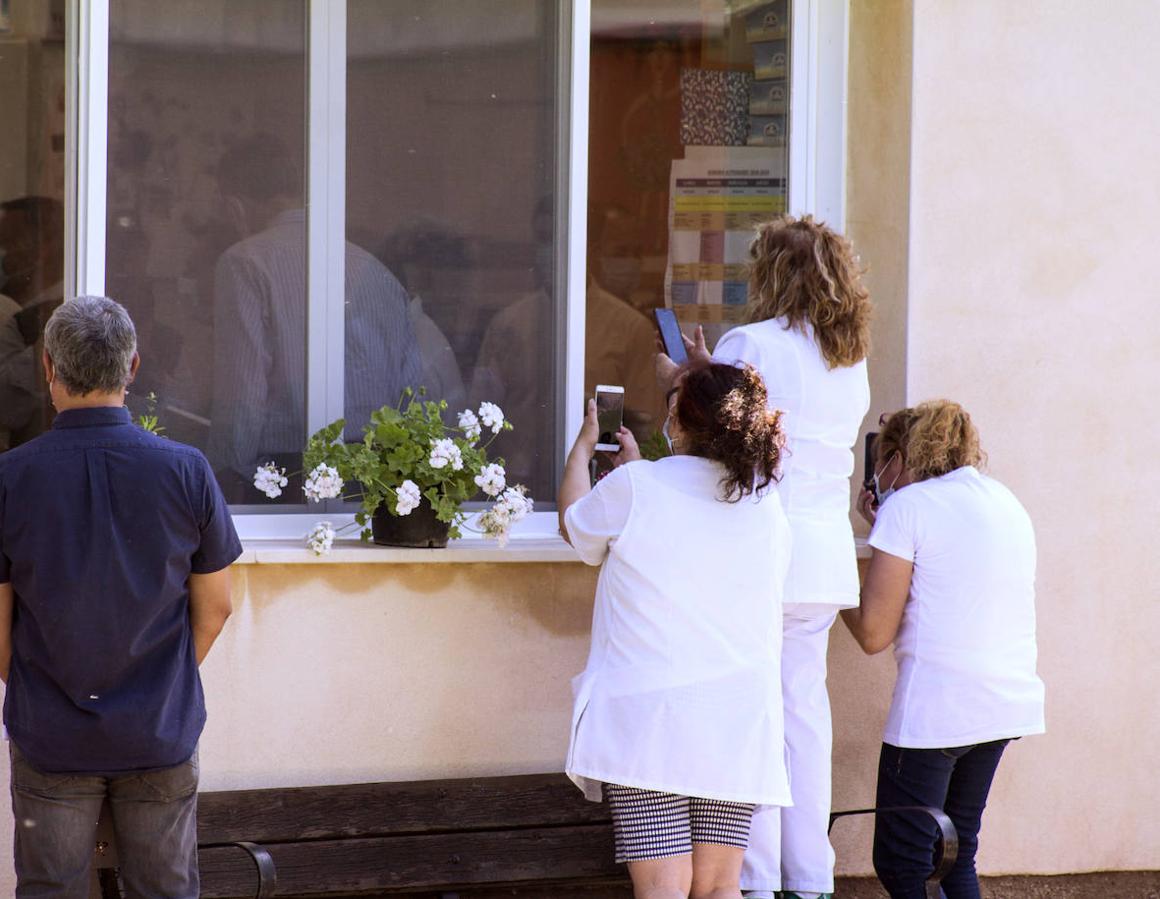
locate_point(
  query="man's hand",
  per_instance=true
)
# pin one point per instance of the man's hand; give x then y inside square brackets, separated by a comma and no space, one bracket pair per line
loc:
[7,598]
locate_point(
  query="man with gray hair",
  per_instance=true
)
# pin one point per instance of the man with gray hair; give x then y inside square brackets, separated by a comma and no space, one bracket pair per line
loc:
[115,546]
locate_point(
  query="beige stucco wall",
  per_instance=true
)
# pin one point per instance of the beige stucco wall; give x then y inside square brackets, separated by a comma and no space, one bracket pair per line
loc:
[1034,211]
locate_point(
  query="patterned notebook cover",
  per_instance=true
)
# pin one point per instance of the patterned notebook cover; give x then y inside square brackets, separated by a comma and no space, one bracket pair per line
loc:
[714,108]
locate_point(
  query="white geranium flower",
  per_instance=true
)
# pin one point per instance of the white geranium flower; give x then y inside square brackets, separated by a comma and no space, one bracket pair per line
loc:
[408,497]
[511,507]
[470,424]
[323,483]
[492,416]
[492,479]
[321,538]
[270,479]
[444,452]
[517,502]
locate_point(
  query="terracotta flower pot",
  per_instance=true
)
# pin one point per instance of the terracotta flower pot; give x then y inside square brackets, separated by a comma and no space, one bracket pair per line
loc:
[420,529]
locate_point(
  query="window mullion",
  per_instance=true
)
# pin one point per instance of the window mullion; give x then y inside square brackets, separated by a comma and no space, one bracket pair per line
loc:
[574,188]
[326,212]
[86,139]
[800,199]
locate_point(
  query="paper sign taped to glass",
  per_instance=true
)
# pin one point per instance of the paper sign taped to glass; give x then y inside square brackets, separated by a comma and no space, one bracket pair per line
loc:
[717,197]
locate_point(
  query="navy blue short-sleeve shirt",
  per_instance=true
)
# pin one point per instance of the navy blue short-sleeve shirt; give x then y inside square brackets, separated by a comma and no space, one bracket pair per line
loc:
[101,525]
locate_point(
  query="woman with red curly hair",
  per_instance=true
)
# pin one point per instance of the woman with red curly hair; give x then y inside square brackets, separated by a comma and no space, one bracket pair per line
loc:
[808,335]
[678,712]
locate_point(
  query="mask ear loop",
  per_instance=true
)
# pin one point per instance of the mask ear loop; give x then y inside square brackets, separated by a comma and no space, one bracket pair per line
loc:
[665,427]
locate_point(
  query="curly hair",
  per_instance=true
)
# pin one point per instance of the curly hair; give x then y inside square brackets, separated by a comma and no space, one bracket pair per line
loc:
[723,414]
[805,271]
[933,438]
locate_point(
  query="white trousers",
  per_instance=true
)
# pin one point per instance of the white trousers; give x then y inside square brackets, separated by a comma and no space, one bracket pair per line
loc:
[788,847]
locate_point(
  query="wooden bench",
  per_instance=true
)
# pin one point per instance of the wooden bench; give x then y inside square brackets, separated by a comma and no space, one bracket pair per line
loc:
[531,833]
[437,836]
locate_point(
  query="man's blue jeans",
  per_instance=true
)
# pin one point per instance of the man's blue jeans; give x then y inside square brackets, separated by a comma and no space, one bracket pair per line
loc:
[957,781]
[154,819]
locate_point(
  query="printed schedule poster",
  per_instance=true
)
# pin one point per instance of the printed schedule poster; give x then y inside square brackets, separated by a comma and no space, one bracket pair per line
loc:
[717,196]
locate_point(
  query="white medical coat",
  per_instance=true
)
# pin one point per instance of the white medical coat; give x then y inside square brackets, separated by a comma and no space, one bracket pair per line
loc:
[682,691]
[823,408]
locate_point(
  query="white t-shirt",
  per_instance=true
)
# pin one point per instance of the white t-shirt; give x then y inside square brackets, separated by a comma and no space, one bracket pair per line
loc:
[966,647]
[682,691]
[823,410]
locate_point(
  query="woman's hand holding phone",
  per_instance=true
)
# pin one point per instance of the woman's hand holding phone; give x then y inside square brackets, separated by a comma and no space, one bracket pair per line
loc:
[667,369]
[629,451]
[867,507]
[585,445]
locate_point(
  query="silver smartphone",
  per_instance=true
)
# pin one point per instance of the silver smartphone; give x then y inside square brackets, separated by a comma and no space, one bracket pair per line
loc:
[609,416]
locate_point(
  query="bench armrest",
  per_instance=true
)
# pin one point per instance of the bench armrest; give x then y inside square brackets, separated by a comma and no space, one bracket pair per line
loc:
[947,851]
[267,874]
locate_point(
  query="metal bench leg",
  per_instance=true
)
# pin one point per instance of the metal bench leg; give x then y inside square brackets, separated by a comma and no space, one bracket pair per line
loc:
[947,846]
[263,862]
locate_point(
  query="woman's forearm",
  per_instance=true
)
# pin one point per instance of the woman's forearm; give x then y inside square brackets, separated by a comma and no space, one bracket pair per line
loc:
[575,485]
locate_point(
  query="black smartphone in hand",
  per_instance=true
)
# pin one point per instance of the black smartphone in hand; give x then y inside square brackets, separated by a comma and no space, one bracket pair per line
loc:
[868,463]
[670,330]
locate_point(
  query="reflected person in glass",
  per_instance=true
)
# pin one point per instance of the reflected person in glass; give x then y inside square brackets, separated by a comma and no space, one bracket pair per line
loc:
[31,287]
[512,367]
[259,395]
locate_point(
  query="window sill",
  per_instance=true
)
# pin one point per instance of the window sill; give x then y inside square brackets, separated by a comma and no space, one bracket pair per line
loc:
[534,540]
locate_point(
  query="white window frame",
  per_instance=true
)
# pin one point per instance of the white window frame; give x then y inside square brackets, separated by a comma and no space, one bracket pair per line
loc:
[817,154]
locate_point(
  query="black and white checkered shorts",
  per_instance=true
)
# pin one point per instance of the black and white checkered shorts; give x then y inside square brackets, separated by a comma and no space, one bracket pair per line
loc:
[650,825]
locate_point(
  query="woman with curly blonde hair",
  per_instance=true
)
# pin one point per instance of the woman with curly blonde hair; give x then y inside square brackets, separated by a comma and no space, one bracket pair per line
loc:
[808,333]
[951,584]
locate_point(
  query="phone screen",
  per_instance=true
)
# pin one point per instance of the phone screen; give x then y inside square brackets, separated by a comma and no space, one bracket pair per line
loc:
[671,335]
[868,464]
[609,415]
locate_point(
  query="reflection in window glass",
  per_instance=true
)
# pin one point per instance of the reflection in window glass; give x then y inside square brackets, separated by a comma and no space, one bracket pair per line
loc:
[452,111]
[687,151]
[206,223]
[32,141]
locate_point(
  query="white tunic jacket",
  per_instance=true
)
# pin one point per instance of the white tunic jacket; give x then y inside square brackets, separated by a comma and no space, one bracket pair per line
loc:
[824,408]
[966,648]
[682,692]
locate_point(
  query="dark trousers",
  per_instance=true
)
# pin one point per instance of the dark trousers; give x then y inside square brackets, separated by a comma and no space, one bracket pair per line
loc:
[955,780]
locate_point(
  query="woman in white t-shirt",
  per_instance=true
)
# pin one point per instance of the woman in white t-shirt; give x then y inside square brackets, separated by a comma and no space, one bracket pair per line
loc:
[677,714]
[951,584]
[808,335]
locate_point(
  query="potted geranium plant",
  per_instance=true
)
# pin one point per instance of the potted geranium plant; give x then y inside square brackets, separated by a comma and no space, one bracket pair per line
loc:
[412,473]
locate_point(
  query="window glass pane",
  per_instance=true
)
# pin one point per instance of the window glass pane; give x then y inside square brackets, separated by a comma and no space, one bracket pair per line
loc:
[32,222]
[206,223]
[453,114]
[688,137]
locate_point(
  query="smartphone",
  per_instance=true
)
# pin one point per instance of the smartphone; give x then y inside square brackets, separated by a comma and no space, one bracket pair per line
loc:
[868,464]
[671,334]
[609,416]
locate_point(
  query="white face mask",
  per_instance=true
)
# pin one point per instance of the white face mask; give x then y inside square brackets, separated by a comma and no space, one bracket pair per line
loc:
[880,495]
[666,435]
